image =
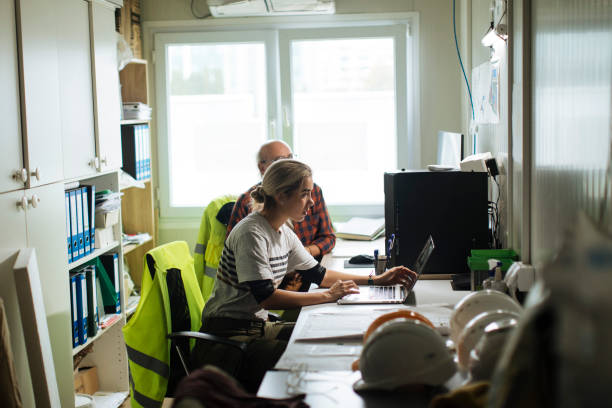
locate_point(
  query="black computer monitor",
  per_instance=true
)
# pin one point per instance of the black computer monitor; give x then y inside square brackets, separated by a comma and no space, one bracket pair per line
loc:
[451,206]
[450,148]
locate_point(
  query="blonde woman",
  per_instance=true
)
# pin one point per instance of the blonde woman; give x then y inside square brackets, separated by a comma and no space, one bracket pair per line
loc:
[258,253]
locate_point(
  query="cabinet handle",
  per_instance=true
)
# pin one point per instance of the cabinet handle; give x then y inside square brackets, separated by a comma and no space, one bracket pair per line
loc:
[23,203]
[36,173]
[34,200]
[21,175]
[103,160]
[95,162]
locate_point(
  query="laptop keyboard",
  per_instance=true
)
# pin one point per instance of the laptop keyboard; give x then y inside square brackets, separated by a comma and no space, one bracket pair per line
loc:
[386,292]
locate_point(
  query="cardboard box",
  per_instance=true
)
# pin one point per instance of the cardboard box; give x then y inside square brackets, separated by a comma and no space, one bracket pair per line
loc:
[106,220]
[104,237]
[86,380]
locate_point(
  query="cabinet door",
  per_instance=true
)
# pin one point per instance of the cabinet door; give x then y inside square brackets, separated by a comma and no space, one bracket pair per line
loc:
[46,232]
[12,220]
[106,85]
[40,91]
[76,94]
[10,127]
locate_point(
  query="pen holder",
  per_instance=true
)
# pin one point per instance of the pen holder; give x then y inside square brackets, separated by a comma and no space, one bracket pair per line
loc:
[380,264]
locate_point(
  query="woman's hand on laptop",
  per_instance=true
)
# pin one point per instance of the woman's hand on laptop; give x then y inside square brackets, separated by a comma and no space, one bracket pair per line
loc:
[342,288]
[399,275]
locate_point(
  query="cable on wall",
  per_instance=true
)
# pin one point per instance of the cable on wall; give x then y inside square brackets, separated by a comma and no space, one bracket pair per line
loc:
[461,62]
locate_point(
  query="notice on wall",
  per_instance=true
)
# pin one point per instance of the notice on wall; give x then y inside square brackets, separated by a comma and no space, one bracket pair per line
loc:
[485,88]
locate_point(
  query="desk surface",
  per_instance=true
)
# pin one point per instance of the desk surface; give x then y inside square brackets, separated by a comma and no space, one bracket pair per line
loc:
[321,368]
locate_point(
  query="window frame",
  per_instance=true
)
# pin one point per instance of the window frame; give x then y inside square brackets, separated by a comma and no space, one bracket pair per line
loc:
[276,33]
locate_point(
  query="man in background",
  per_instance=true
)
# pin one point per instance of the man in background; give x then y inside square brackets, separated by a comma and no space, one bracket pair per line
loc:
[315,231]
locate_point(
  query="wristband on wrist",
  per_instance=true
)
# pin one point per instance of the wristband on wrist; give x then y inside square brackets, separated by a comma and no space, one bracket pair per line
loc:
[371,279]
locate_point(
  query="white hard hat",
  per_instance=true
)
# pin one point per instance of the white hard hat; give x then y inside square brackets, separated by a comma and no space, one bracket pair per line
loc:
[475,303]
[486,353]
[402,352]
[475,329]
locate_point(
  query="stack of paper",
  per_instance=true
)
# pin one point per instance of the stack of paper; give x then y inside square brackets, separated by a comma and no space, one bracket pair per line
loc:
[107,201]
[364,229]
[136,111]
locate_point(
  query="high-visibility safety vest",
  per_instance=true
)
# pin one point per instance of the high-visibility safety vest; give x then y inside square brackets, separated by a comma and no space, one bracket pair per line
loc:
[209,246]
[148,349]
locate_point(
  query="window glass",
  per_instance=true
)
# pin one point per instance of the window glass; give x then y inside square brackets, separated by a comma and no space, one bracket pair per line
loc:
[343,95]
[216,119]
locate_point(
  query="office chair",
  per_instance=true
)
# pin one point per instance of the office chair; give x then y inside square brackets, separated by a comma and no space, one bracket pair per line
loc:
[164,329]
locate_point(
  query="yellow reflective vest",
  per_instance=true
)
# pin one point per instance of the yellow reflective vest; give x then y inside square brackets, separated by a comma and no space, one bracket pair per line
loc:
[148,349]
[210,245]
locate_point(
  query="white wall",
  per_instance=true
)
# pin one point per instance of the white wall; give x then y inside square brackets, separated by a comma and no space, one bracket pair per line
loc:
[440,74]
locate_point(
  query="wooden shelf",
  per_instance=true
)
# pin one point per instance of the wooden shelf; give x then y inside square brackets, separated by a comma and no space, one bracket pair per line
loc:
[142,181]
[127,248]
[99,334]
[94,254]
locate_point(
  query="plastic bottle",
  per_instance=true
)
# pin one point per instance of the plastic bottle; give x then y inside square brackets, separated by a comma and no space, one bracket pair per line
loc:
[487,283]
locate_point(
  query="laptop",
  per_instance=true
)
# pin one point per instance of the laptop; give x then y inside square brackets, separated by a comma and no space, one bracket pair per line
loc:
[390,294]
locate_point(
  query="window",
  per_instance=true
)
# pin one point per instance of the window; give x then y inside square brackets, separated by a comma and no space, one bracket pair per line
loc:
[337,95]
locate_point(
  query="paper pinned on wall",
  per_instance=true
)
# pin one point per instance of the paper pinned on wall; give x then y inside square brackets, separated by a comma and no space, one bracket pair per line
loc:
[485,86]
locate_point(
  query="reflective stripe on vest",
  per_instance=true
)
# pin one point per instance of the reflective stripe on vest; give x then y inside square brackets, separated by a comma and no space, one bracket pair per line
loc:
[210,272]
[142,399]
[200,249]
[148,362]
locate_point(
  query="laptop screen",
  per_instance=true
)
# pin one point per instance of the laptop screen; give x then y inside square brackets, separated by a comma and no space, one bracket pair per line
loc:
[423,257]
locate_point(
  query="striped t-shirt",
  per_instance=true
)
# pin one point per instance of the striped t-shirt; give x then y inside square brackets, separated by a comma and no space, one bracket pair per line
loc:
[253,251]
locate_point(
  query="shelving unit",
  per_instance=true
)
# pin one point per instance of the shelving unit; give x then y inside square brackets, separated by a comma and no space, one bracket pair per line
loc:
[137,205]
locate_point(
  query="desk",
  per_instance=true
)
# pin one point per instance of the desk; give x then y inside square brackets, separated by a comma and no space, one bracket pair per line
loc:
[321,368]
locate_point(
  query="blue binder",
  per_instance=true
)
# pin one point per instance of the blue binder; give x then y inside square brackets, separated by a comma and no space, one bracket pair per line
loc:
[86,223]
[81,295]
[73,226]
[73,309]
[147,143]
[68,235]
[79,216]
[140,151]
[91,199]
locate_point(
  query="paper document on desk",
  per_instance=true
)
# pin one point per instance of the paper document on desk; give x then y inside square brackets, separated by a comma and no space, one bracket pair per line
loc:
[319,357]
[335,326]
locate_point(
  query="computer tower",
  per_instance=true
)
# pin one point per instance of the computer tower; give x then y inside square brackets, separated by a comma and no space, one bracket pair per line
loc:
[452,206]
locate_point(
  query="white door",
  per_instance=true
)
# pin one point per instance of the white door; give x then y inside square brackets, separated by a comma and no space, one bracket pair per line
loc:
[42,143]
[106,86]
[11,160]
[76,95]
[46,232]
[13,219]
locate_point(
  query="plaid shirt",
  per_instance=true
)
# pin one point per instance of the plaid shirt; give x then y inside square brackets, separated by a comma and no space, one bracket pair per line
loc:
[315,229]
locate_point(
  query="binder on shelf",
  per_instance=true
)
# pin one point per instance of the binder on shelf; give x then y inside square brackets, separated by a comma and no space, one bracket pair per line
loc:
[99,297]
[147,143]
[73,226]
[110,300]
[91,200]
[86,221]
[68,235]
[92,303]
[73,313]
[111,266]
[79,217]
[139,166]
[135,145]
[81,296]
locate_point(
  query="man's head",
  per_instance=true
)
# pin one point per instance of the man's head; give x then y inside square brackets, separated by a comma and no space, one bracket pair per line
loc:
[271,151]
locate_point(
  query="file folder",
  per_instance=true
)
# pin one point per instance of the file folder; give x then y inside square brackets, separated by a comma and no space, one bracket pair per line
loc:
[92,304]
[79,217]
[147,143]
[107,288]
[73,313]
[81,295]
[68,235]
[91,200]
[73,226]
[86,222]
[111,265]
[138,134]
[136,150]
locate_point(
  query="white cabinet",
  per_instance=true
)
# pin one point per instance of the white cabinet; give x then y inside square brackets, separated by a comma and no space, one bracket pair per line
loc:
[10,126]
[40,109]
[76,94]
[12,219]
[46,231]
[106,85]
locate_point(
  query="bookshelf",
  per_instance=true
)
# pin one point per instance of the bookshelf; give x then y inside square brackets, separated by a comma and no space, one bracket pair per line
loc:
[137,208]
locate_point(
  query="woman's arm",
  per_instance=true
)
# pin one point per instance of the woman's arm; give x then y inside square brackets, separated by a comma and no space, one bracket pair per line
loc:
[397,275]
[286,299]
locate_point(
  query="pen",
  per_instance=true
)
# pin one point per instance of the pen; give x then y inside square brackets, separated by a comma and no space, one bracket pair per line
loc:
[375,256]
